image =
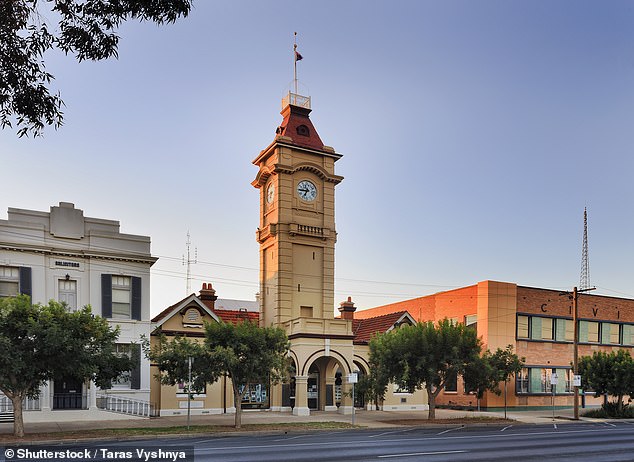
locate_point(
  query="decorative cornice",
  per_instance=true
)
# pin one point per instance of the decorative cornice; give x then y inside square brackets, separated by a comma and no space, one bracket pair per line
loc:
[87,254]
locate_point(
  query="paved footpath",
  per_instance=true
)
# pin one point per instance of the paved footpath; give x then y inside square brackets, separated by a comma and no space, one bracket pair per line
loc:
[67,421]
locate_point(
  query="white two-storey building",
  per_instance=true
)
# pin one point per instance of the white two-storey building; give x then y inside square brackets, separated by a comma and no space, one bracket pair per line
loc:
[66,256]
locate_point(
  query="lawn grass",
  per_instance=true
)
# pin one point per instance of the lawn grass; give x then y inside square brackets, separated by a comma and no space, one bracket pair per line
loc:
[174,430]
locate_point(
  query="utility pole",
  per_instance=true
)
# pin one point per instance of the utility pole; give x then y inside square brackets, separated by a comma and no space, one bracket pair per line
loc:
[575,351]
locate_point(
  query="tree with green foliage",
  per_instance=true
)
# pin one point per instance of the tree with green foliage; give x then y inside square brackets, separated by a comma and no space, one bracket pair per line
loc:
[85,28]
[609,374]
[44,342]
[248,354]
[486,372]
[372,386]
[171,356]
[425,355]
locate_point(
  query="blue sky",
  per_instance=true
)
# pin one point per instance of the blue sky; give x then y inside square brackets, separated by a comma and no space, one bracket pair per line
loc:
[473,135]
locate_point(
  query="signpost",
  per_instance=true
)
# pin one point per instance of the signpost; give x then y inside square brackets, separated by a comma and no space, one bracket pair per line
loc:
[553,385]
[353,378]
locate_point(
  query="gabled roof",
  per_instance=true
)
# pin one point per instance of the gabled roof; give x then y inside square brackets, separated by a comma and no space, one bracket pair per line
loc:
[218,314]
[170,311]
[365,329]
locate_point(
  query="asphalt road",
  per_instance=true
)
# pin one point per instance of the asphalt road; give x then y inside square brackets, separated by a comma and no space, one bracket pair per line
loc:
[570,442]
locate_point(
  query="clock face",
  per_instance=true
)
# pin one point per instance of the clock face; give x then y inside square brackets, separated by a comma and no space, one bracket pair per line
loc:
[306,190]
[270,193]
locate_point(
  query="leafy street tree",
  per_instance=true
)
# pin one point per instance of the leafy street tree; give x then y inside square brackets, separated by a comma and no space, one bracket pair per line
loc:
[609,374]
[171,358]
[248,354]
[372,386]
[425,355]
[85,28]
[486,372]
[43,342]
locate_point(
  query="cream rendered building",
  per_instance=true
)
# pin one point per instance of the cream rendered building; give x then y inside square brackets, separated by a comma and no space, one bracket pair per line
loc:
[66,256]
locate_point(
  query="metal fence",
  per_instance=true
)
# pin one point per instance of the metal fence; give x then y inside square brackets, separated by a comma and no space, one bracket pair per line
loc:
[127,406]
[29,404]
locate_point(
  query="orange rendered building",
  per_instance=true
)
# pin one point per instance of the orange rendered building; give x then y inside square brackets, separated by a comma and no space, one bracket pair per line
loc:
[538,323]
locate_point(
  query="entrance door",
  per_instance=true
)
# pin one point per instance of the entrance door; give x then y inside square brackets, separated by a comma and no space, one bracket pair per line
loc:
[313,389]
[67,394]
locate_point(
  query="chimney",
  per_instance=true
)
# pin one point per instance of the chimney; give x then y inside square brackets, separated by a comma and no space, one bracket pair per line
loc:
[347,309]
[208,295]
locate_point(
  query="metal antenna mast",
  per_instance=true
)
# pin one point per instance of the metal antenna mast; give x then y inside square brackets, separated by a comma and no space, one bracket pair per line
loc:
[585,265]
[189,262]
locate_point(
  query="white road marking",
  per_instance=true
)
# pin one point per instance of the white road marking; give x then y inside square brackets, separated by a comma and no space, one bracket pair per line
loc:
[508,426]
[387,433]
[291,438]
[464,437]
[421,454]
[555,426]
[449,430]
[611,424]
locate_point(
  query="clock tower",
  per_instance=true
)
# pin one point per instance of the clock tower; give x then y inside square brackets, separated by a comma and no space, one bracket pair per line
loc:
[297,232]
[297,236]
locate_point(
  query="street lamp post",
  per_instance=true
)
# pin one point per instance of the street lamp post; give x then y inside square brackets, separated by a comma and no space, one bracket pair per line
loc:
[189,390]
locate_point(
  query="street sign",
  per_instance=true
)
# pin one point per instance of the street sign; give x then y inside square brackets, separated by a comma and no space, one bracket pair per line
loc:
[576,381]
[353,378]
[553,379]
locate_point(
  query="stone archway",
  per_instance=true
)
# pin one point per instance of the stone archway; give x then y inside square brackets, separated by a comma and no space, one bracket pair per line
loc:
[318,378]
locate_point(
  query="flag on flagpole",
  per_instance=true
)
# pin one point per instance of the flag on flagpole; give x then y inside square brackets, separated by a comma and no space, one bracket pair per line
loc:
[298,57]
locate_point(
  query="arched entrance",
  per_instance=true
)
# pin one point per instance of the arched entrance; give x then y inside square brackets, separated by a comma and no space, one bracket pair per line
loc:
[324,389]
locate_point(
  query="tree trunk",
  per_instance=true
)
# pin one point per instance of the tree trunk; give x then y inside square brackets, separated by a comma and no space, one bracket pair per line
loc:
[431,397]
[237,398]
[18,420]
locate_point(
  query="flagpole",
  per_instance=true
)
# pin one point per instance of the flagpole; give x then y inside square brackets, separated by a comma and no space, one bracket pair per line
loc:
[295,63]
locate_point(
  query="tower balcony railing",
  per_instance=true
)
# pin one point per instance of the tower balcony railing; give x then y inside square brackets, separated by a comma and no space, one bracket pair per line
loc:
[296,100]
[304,325]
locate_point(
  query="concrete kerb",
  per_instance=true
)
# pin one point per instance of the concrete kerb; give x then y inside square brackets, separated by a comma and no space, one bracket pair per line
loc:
[363,419]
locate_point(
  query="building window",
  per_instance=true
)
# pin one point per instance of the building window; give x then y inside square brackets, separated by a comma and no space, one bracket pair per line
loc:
[593,331]
[546,378]
[129,379]
[522,326]
[67,293]
[547,329]
[538,380]
[121,297]
[569,334]
[470,320]
[610,333]
[521,381]
[9,281]
[451,382]
[123,380]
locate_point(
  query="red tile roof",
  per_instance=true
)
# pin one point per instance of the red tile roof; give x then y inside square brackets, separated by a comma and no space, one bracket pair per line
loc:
[365,329]
[297,126]
[236,316]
